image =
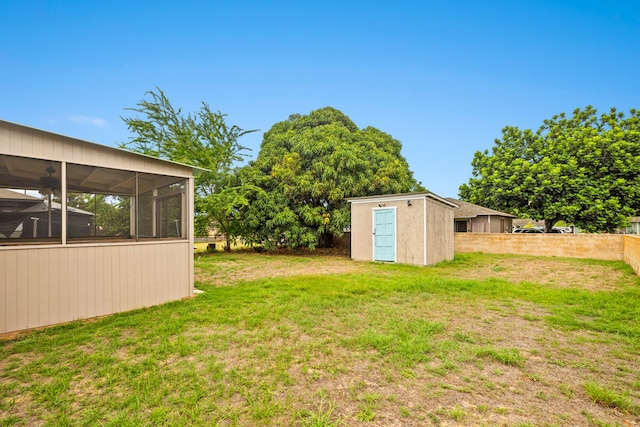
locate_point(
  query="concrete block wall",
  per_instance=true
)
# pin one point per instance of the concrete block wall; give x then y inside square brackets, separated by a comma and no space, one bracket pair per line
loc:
[632,252]
[597,246]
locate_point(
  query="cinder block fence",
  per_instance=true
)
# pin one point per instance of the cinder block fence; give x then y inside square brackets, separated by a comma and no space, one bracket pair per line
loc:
[615,247]
[632,252]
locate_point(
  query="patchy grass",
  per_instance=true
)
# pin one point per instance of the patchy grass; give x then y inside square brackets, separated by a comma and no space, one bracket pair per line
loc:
[607,397]
[319,340]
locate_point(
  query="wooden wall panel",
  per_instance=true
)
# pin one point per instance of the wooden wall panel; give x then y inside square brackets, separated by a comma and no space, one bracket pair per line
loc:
[108,291]
[440,223]
[43,277]
[185,267]
[154,283]
[435,232]
[47,146]
[54,286]
[81,282]
[49,285]
[73,278]
[3,292]
[16,292]
[173,278]
[126,291]
[26,141]
[5,134]
[22,306]
[74,153]
[164,287]
[38,144]
[33,276]
[136,284]
[15,140]
[159,286]
[361,232]
[91,283]
[64,293]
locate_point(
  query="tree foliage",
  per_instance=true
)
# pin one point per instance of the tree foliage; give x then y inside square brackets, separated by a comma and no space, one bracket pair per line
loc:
[583,169]
[226,209]
[307,166]
[203,139]
[111,214]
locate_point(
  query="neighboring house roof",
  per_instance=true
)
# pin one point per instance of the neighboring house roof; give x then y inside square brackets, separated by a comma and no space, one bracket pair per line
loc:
[635,219]
[12,201]
[14,195]
[30,203]
[469,210]
[42,207]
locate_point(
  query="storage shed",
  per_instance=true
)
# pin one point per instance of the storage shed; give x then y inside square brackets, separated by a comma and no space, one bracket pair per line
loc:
[409,228]
[88,230]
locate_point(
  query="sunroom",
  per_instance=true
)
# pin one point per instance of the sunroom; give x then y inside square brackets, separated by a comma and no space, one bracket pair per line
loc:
[88,230]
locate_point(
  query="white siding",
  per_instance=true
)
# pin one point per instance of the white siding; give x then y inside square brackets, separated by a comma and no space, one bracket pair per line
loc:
[48,285]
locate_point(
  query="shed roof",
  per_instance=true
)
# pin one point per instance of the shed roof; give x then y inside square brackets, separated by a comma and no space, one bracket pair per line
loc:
[469,210]
[402,196]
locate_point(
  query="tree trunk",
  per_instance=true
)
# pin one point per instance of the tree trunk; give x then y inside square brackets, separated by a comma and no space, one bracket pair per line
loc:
[325,240]
[549,223]
[227,248]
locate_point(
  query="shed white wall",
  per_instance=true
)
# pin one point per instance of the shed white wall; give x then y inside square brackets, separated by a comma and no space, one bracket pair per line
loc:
[440,226]
[411,232]
[361,232]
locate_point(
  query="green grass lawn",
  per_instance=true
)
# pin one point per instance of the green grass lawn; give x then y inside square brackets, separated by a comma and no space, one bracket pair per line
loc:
[375,345]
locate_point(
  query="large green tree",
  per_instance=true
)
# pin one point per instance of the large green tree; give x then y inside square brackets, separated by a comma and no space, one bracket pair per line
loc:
[307,166]
[202,139]
[583,169]
[226,209]
[111,214]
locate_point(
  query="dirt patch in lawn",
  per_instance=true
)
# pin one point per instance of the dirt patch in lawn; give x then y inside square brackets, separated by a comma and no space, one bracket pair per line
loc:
[247,265]
[565,273]
[458,387]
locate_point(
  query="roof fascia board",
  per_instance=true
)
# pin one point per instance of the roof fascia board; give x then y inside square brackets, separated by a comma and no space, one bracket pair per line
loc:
[196,170]
[399,198]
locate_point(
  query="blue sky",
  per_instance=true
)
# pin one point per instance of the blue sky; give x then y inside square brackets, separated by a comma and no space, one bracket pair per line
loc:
[442,77]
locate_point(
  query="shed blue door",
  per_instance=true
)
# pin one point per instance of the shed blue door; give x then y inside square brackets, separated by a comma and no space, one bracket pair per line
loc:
[384,229]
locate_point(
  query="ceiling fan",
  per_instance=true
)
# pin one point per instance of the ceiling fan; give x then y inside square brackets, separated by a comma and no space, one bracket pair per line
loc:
[50,184]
